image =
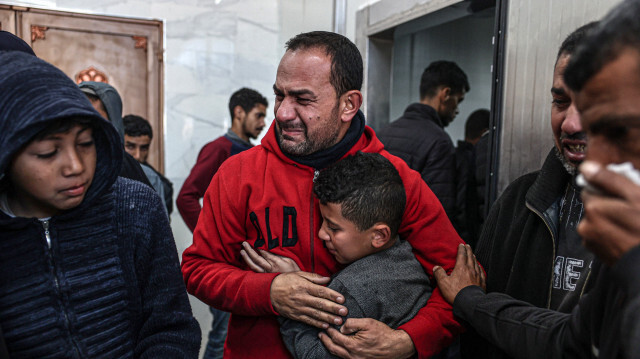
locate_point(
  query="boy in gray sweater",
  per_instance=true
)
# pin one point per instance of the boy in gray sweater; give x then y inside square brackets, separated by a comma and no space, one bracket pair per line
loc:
[362,200]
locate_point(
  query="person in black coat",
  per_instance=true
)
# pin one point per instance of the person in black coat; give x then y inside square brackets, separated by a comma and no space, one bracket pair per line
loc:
[469,198]
[418,137]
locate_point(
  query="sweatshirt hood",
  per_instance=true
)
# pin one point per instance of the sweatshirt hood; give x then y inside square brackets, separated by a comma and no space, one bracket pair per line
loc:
[34,93]
[111,101]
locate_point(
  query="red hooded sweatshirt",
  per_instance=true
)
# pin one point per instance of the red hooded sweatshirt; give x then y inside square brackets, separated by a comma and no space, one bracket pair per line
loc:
[261,195]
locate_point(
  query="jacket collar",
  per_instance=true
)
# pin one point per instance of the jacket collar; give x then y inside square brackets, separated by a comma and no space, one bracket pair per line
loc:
[232,136]
[419,111]
[550,184]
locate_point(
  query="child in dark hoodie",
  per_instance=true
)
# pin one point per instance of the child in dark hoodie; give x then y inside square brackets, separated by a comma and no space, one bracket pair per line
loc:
[89,266]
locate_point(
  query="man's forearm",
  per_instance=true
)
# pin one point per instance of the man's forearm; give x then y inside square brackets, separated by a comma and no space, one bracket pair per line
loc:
[512,324]
[227,287]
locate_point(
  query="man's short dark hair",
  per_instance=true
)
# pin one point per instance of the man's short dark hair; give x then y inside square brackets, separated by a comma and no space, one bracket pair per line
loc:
[247,99]
[443,73]
[617,31]
[367,186]
[136,126]
[477,124]
[346,61]
[571,43]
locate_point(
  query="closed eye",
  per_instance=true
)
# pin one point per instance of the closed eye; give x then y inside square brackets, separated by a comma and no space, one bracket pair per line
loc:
[86,144]
[47,155]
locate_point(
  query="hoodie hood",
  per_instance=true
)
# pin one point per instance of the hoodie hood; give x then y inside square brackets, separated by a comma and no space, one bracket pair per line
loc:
[111,101]
[33,93]
[10,42]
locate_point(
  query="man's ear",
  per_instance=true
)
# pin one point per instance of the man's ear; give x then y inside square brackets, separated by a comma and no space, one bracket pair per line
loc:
[350,103]
[444,94]
[238,112]
[381,234]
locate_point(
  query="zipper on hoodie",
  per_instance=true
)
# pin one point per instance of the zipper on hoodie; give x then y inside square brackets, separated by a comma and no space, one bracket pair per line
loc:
[311,227]
[47,236]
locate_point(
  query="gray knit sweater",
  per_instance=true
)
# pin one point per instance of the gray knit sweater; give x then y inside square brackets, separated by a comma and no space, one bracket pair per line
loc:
[389,286]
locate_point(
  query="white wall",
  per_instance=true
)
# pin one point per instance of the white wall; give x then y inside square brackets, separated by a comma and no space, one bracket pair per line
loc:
[213,47]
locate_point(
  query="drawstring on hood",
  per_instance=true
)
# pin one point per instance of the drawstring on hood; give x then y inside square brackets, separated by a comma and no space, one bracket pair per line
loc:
[34,93]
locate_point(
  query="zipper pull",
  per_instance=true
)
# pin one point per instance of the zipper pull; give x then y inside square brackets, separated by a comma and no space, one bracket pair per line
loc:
[45,224]
[315,175]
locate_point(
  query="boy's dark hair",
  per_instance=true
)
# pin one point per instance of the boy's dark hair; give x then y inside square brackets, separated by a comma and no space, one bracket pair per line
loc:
[247,99]
[571,43]
[136,126]
[62,125]
[443,73]
[476,124]
[617,31]
[346,61]
[94,98]
[368,187]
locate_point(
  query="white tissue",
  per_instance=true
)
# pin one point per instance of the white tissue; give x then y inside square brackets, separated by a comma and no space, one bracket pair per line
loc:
[625,169]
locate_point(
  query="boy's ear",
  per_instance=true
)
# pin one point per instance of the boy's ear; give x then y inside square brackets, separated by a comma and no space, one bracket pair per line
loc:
[381,235]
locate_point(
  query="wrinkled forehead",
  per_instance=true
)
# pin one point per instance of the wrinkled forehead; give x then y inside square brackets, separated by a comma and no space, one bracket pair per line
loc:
[615,88]
[558,72]
[611,98]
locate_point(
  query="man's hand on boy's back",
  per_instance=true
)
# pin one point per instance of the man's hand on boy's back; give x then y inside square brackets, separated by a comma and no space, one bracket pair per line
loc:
[297,295]
[467,272]
[267,262]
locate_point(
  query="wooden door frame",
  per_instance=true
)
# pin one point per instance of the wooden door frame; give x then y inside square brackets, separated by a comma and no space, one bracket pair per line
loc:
[149,36]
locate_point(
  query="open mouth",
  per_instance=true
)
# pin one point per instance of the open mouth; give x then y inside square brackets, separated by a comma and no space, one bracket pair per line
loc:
[574,152]
[577,148]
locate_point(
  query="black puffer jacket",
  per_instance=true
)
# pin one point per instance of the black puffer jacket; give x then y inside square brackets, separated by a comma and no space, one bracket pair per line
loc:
[418,137]
[468,219]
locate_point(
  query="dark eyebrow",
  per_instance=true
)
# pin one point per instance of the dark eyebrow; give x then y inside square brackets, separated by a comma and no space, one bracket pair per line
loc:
[301,92]
[558,91]
[610,121]
[294,92]
[328,221]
